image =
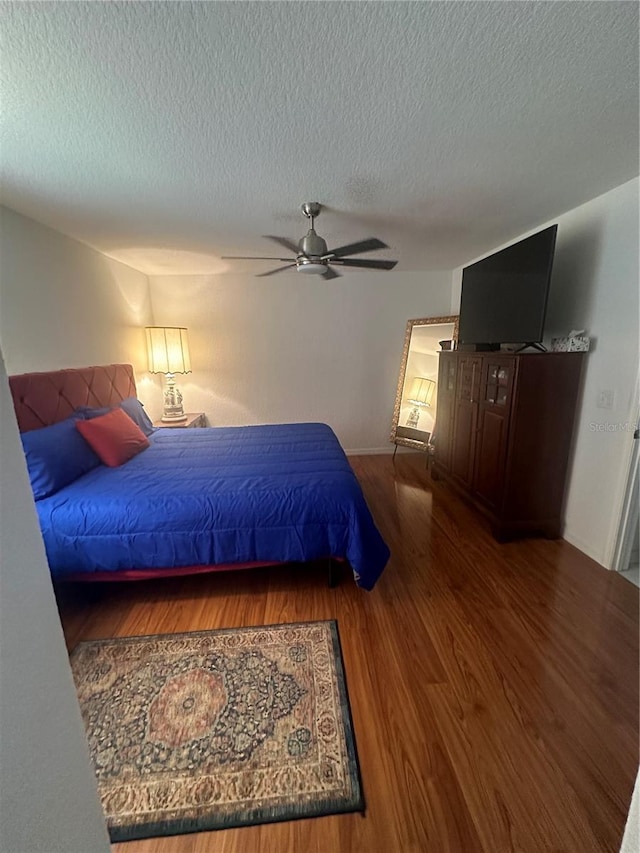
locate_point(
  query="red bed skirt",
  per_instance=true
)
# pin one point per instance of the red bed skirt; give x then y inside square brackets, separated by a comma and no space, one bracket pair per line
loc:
[150,574]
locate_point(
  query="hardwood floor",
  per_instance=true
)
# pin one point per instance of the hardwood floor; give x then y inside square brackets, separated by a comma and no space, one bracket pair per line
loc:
[494,688]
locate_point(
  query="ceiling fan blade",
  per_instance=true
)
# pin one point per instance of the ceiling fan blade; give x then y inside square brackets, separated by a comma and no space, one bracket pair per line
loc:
[273,272]
[329,274]
[356,248]
[249,258]
[368,265]
[288,244]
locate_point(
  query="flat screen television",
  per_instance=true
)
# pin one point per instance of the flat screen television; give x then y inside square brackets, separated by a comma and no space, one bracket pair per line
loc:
[504,296]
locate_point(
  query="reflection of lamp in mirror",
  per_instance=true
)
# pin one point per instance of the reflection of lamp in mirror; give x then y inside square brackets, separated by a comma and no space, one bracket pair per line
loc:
[168,353]
[421,395]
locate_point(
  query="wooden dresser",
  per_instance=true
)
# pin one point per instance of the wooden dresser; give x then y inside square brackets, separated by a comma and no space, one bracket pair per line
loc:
[504,432]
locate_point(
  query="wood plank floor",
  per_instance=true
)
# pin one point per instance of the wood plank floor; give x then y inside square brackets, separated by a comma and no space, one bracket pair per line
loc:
[494,688]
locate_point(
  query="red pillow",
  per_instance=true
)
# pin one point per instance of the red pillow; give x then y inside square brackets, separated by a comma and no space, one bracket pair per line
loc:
[114,437]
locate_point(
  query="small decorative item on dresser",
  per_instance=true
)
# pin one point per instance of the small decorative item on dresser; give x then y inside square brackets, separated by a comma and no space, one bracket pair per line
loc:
[192,420]
[576,341]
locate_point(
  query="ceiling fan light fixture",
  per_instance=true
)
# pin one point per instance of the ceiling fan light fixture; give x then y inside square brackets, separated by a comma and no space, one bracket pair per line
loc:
[312,268]
[312,256]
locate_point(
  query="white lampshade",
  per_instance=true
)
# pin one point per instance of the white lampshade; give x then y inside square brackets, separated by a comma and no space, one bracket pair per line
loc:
[168,349]
[421,391]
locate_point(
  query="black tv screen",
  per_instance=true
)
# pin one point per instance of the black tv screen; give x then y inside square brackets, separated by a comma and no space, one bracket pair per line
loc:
[504,296]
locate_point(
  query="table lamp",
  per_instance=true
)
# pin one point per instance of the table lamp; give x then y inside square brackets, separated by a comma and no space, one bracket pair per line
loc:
[421,395]
[168,353]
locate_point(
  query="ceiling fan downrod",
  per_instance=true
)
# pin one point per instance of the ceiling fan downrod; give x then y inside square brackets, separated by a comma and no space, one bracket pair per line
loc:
[312,247]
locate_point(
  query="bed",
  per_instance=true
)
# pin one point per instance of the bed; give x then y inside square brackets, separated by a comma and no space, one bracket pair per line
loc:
[197,500]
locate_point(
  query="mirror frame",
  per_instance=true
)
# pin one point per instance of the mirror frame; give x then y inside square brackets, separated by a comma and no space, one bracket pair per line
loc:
[423,321]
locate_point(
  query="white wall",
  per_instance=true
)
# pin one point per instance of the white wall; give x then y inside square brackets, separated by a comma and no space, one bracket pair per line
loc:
[595,287]
[631,837]
[298,348]
[48,797]
[63,304]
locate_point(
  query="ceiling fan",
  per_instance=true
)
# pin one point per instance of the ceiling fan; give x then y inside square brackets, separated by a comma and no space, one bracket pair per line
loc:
[312,255]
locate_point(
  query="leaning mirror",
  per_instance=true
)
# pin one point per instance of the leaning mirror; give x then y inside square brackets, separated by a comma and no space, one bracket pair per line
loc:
[415,410]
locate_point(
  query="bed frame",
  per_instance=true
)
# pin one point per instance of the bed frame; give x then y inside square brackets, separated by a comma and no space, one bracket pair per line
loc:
[43,399]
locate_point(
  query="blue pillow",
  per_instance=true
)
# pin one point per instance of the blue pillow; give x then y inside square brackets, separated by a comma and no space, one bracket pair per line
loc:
[86,413]
[56,456]
[133,407]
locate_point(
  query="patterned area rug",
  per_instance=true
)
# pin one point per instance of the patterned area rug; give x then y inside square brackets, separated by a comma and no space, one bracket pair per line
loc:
[216,729]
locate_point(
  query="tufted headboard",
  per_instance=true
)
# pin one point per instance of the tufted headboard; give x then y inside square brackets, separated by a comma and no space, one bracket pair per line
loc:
[42,399]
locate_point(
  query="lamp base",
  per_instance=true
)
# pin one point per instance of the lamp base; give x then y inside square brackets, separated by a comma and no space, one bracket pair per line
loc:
[173,409]
[414,417]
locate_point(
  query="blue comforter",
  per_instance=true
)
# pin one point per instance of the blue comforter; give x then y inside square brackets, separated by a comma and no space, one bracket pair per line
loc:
[284,492]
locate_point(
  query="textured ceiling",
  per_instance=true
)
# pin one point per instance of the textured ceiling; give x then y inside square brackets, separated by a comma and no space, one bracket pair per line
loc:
[168,134]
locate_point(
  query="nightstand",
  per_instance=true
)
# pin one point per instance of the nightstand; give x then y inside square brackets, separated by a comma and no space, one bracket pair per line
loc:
[194,419]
